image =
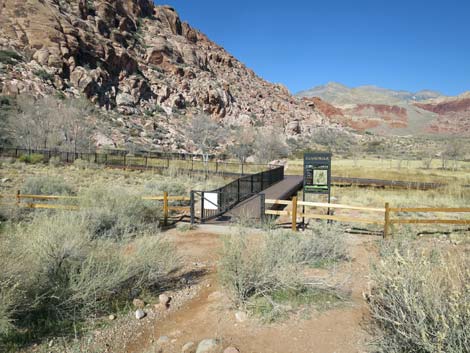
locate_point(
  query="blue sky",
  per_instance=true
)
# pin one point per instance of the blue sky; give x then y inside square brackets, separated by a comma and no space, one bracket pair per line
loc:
[398,44]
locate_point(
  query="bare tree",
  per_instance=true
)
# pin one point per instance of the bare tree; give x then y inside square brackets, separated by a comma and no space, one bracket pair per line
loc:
[270,145]
[242,146]
[76,129]
[452,152]
[206,135]
[426,158]
[35,123]
[49,123]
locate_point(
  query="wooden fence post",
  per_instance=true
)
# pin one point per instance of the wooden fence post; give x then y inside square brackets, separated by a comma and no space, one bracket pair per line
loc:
[294,213]
[18,198]
[193,216]
[165,208]
[387,221]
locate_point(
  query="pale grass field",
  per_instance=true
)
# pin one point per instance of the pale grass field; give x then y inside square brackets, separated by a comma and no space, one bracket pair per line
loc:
[80,178]
[455,194]
[406,170]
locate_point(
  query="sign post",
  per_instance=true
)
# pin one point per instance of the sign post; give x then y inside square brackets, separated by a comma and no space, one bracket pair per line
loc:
[317,176]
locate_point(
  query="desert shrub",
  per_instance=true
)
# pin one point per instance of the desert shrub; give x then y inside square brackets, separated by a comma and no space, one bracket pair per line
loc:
[84,164]
[33,158]
[264,273]
[44,75]
[185,227]
[55,161]
[66,276]
[7,307]
[420,301]
[174,186]
[9,57]
[322,245]
[117,212]
[46,185]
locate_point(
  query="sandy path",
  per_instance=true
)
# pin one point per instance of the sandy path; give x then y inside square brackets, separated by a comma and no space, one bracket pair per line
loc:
[209,313]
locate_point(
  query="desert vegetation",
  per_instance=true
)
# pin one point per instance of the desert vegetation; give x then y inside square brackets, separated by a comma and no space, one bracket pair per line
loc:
[82,264]
[265,274]
[420,299]
[77,266]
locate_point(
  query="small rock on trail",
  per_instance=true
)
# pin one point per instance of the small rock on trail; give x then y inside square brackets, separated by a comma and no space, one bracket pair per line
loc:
[164,299]
[139,314]
[189,347]
[163,340]
[241,316]
[209,345]
[231,350]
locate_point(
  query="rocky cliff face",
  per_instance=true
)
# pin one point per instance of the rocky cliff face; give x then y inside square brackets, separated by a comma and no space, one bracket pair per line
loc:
[141,62]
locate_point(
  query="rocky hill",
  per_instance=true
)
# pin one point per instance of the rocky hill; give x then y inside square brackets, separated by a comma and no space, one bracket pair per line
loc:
[148,71]
[389,112]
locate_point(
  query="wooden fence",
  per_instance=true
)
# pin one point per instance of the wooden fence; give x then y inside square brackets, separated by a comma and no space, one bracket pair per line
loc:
[386,213]
[17,200]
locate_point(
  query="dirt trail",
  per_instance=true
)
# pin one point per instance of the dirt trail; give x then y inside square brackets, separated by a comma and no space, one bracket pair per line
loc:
[210,315]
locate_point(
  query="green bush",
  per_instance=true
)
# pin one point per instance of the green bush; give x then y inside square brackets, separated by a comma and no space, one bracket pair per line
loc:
[46,185]
[65,276]
[117,212]
[258,272]
[44,75]
[420,301]
[33,158]
[9,57]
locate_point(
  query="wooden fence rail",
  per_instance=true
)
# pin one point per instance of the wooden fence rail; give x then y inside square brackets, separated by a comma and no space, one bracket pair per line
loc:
[387,212]
[18,197]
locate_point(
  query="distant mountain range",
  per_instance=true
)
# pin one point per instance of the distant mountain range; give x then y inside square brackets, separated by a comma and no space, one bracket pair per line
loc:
[391,112]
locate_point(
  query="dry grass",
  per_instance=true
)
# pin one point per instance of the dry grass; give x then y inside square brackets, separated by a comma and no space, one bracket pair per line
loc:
[81,177]
[392,169]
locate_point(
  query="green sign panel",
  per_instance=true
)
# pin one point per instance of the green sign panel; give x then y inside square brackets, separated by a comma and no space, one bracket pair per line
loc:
[317,173]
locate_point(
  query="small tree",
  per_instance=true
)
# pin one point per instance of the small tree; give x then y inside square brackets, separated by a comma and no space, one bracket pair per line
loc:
[76,129]
[426,158]
[452,152]
[242,146]
[269,145]
[206,135]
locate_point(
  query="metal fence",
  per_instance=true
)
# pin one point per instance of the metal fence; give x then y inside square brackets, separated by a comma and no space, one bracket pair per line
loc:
[90,155]
[142,160]
[216,202]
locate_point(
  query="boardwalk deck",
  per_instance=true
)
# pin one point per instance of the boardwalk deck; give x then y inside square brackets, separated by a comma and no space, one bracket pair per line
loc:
[250,208]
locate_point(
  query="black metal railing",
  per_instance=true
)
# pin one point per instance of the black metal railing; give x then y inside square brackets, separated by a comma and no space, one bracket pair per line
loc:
[216,202]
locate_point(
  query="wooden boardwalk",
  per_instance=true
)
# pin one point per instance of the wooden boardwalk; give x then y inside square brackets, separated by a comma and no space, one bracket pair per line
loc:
[250,208]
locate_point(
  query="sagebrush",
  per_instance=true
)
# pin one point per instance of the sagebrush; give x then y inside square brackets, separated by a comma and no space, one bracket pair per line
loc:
[66,275]
[420,301]
[264,270]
